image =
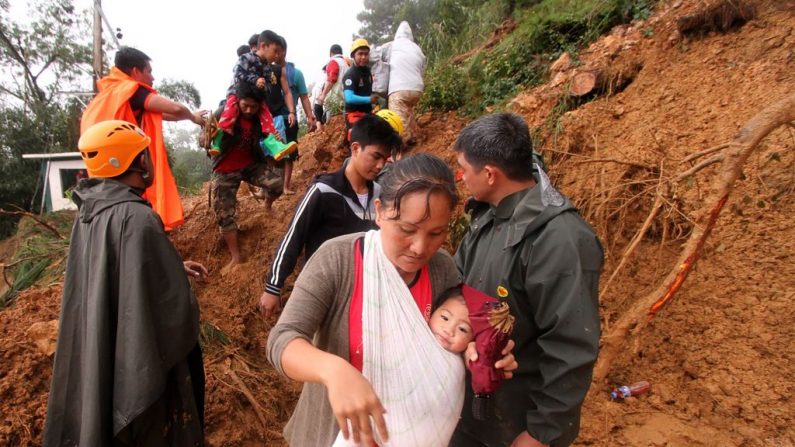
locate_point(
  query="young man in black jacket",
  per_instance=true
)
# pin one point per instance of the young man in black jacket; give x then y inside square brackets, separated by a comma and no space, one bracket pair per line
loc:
[337,203]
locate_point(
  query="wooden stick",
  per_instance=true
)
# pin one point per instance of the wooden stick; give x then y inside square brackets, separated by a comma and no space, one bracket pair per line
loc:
[22,212]
[613,160]
[703,164]
[704,152]
[246,392]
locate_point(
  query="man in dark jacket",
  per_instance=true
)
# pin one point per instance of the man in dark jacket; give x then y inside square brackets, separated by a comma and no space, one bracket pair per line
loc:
[128,367]
[528,246]
[335,204]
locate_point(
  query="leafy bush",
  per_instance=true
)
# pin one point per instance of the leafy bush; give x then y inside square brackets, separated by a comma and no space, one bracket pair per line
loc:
[544,30]
[41,254]
[447,91]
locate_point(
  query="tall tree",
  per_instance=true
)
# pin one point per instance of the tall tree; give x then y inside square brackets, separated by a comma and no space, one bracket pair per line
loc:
[378,19]
[42,55]
[180,91]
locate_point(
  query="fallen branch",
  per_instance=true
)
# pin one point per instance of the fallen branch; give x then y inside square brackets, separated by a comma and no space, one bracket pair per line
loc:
[613,160]
[704,152]
[703,164]
[246,392]
[639,315]
[24,213]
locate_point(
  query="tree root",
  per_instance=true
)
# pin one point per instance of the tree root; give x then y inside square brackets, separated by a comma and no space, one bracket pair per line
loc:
[242,388]
[655,209]
[737,152]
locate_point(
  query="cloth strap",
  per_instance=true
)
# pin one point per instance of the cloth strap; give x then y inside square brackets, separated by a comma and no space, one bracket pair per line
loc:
[419,383]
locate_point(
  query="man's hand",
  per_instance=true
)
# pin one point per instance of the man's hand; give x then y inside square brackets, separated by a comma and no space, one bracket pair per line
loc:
[507,364]
[374,98]
[525,440]
[291,119]
[199,117]
[320,99]
[269,304]
[311,125]
[261,83]
[195,270]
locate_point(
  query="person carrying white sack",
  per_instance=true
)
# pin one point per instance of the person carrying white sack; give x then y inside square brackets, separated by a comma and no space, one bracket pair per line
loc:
[372,366]
[406,69]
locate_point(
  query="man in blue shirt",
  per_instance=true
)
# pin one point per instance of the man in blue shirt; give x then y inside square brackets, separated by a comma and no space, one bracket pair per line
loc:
[295,79]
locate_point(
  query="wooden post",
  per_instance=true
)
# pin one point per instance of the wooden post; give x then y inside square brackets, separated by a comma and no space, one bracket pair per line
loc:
[97,53]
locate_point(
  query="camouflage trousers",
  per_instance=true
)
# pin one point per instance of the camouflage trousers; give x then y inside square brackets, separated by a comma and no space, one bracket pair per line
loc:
[225,185]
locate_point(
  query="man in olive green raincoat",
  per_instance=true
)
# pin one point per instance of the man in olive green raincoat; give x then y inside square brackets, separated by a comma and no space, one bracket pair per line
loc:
[528,246]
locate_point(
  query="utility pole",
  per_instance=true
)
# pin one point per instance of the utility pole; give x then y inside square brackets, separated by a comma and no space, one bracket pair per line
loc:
[97,42]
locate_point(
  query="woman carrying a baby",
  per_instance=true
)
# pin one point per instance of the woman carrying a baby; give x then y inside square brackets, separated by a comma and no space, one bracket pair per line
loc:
[355,329]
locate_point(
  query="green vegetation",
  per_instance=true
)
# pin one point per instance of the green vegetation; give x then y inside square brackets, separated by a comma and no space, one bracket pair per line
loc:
[210,334]
[41,255]
[544,29]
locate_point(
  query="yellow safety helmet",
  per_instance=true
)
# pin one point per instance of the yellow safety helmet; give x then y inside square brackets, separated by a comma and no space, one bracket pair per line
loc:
[393,119]
[359,43]
[109,147]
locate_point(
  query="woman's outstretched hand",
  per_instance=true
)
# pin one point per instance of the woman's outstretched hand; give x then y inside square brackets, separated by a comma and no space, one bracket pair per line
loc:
[353,399]
[507,364]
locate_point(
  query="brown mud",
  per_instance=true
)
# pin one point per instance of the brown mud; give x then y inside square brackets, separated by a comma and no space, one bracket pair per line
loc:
[719,356]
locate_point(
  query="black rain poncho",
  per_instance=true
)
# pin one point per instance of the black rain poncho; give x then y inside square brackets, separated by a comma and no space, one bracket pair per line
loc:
[127,366]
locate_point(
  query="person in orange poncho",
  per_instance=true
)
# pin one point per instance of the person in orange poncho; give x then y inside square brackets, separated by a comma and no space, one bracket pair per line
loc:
[127,94]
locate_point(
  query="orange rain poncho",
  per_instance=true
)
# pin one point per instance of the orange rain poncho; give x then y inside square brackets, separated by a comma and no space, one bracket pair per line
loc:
[113,102]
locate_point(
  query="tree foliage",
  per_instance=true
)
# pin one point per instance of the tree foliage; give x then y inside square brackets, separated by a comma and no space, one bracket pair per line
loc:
[378,19]
[39,59]
[46,54]
[180,91]
[541,30]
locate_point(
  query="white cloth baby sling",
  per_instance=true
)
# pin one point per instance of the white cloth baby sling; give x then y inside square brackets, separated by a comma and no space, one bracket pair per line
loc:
[419,383]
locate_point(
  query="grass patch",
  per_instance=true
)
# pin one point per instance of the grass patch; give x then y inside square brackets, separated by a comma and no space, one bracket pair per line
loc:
[40,258]
[521,60]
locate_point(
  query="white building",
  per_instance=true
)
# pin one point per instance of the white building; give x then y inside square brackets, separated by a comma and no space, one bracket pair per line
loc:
[60,173]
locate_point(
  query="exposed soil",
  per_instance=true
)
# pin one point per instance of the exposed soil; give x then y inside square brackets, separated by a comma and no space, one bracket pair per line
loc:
[719,356]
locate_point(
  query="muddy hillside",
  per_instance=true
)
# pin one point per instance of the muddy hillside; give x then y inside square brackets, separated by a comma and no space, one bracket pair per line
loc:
[719,355]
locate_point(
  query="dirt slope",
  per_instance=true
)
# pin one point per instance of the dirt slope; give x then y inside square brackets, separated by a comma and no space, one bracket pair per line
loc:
[719,357]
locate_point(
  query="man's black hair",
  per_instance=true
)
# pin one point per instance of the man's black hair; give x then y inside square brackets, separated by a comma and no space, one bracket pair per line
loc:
[283,42]
[268,37]
[244,89]
[501,140]
[335,49]
[371,129]
[243,49]
[128,58]
[252,41]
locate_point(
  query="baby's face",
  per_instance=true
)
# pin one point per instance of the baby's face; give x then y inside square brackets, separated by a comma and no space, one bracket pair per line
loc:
[450,324]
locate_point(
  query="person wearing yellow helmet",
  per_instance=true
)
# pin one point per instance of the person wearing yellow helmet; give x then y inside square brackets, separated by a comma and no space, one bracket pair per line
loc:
[128,355]
[393,119]
[357,86]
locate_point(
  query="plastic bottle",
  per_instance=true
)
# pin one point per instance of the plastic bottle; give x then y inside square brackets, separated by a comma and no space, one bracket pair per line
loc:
[625,391]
